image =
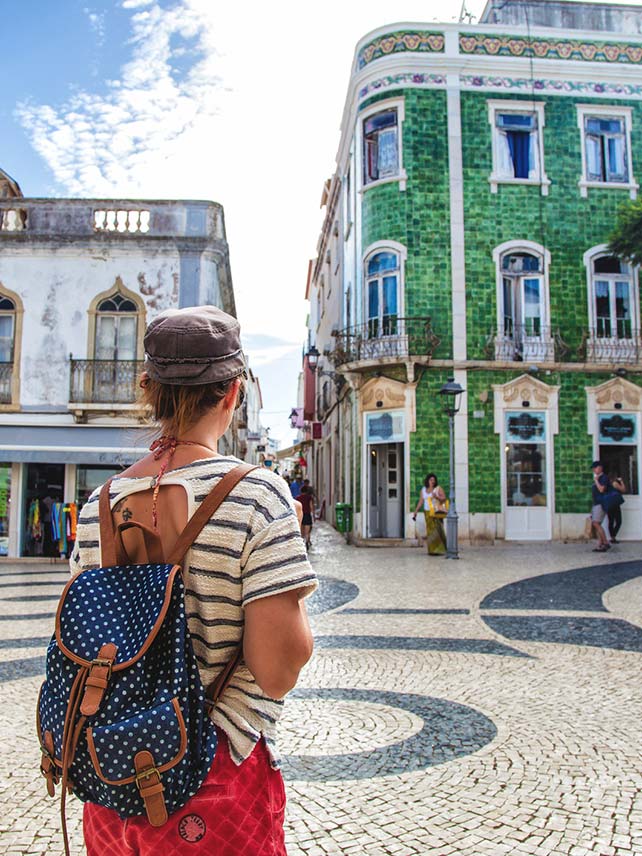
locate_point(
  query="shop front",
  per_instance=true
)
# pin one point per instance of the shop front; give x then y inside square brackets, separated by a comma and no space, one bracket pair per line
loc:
[614,411]
[47,474]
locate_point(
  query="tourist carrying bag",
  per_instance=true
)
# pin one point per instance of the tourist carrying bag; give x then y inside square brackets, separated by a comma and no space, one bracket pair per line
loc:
[122,717]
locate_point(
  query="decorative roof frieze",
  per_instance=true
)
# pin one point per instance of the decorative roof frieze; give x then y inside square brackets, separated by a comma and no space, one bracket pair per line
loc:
[403,41]
[553,48]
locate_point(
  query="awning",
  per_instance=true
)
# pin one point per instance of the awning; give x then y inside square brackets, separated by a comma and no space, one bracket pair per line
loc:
[292,451]
[73,444]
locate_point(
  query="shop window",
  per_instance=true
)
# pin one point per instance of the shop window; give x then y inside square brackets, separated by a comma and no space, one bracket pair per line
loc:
[523,307]
[88,478]
[606,147]
[517,143]
[618,448]
[525,459]
[5,506]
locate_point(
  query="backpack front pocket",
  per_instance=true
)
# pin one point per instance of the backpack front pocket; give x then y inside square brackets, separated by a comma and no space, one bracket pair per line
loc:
[160,731]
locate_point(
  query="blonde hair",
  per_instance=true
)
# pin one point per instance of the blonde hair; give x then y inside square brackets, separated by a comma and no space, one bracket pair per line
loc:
[178,407]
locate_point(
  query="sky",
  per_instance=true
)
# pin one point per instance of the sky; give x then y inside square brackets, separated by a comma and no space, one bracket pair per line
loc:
[239,103]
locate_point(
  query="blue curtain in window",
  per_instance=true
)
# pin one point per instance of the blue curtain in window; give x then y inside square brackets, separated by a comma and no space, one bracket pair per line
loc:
[519,144]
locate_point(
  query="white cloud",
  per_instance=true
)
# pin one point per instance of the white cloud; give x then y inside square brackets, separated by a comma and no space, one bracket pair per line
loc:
[94,143]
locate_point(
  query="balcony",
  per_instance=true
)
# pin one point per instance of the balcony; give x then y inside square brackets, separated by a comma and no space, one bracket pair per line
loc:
[6,378]
[599,347]
[525,344]
[387,340]
[107,385]
[109,219]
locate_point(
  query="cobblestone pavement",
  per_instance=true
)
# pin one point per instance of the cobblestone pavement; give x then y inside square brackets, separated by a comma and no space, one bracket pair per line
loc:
[483,707]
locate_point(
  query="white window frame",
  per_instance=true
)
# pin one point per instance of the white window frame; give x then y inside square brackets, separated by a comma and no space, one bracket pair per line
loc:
[386,247]
[496,106]
[610,346]
[381,107]
[606,111]
[537,348]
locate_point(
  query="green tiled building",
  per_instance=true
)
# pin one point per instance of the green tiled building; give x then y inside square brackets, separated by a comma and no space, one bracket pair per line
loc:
[479,174]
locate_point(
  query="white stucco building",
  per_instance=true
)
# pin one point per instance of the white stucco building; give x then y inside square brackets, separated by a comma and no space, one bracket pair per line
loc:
[79,281]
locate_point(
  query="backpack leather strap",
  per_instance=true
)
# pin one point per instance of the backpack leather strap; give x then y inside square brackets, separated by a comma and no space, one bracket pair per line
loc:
[205,510]
[153,546]
[108,551]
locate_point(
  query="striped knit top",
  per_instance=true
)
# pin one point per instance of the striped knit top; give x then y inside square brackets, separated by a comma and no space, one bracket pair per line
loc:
[251,548]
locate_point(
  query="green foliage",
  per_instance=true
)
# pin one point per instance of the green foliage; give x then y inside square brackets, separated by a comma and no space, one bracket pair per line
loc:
[626,239]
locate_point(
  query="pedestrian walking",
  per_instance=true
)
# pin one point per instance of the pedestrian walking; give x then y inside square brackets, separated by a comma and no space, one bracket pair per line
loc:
[295,486]
[601,487]
[432,500]
[306,498]
[245,576]
[614,511]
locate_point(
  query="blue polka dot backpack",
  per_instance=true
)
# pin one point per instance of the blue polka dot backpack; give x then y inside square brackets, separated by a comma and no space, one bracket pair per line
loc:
[122,715]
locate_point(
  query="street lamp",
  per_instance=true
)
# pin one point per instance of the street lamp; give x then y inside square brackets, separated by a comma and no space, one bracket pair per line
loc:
[313,357]
[452,393]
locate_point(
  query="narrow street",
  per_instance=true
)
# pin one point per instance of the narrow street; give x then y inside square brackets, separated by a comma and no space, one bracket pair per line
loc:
[482,707]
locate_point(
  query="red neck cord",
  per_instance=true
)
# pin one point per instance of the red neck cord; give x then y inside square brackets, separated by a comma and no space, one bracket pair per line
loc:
[165,446]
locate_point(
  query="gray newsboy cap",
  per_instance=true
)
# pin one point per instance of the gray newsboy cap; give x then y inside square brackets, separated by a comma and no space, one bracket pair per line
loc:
[200,344]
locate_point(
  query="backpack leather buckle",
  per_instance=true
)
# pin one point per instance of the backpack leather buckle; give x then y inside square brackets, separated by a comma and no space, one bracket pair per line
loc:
[145,774]
[150,787]
[99,661]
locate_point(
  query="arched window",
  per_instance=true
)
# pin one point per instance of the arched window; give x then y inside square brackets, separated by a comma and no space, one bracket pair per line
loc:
[382,293]
[116,328]
[522,302]
[7,328]
[612,296]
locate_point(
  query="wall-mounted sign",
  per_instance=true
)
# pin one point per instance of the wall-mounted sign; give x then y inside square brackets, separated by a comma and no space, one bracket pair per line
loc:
[618,428]
[317,430]
[525,427]
[387,427]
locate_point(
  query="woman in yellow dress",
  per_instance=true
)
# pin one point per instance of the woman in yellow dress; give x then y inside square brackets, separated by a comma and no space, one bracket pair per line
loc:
[433,502]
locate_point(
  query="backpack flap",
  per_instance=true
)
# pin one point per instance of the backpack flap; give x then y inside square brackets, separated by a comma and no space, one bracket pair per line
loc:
[124,606]
[113,748]
[139,750]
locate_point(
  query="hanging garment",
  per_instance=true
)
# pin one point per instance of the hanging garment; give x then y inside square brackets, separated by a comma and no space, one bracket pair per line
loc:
[35,521]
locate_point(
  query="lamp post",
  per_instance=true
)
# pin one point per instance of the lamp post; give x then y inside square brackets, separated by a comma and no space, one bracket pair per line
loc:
[452,393]
[313,357]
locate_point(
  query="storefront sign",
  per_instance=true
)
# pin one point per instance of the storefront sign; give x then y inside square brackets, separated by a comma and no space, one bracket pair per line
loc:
[387,427]
[525,427]
[616,428]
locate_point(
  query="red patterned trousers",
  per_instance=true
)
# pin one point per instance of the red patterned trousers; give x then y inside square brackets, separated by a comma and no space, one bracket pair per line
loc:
[238,811]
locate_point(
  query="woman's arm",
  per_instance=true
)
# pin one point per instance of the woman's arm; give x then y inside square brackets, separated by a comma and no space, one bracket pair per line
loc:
[419,504]
[277,641]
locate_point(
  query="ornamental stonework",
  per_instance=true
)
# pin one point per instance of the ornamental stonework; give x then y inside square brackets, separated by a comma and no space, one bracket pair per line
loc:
[572,49]
[390,393]
[416,41]
[618,392]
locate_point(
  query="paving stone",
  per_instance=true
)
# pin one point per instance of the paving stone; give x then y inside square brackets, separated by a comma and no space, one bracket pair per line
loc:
[441,713]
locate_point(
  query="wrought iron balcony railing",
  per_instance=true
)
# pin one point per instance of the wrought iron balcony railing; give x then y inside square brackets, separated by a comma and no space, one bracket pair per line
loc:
[526,344]
[6,378]
[598,347]
[385,337]
[104,381]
